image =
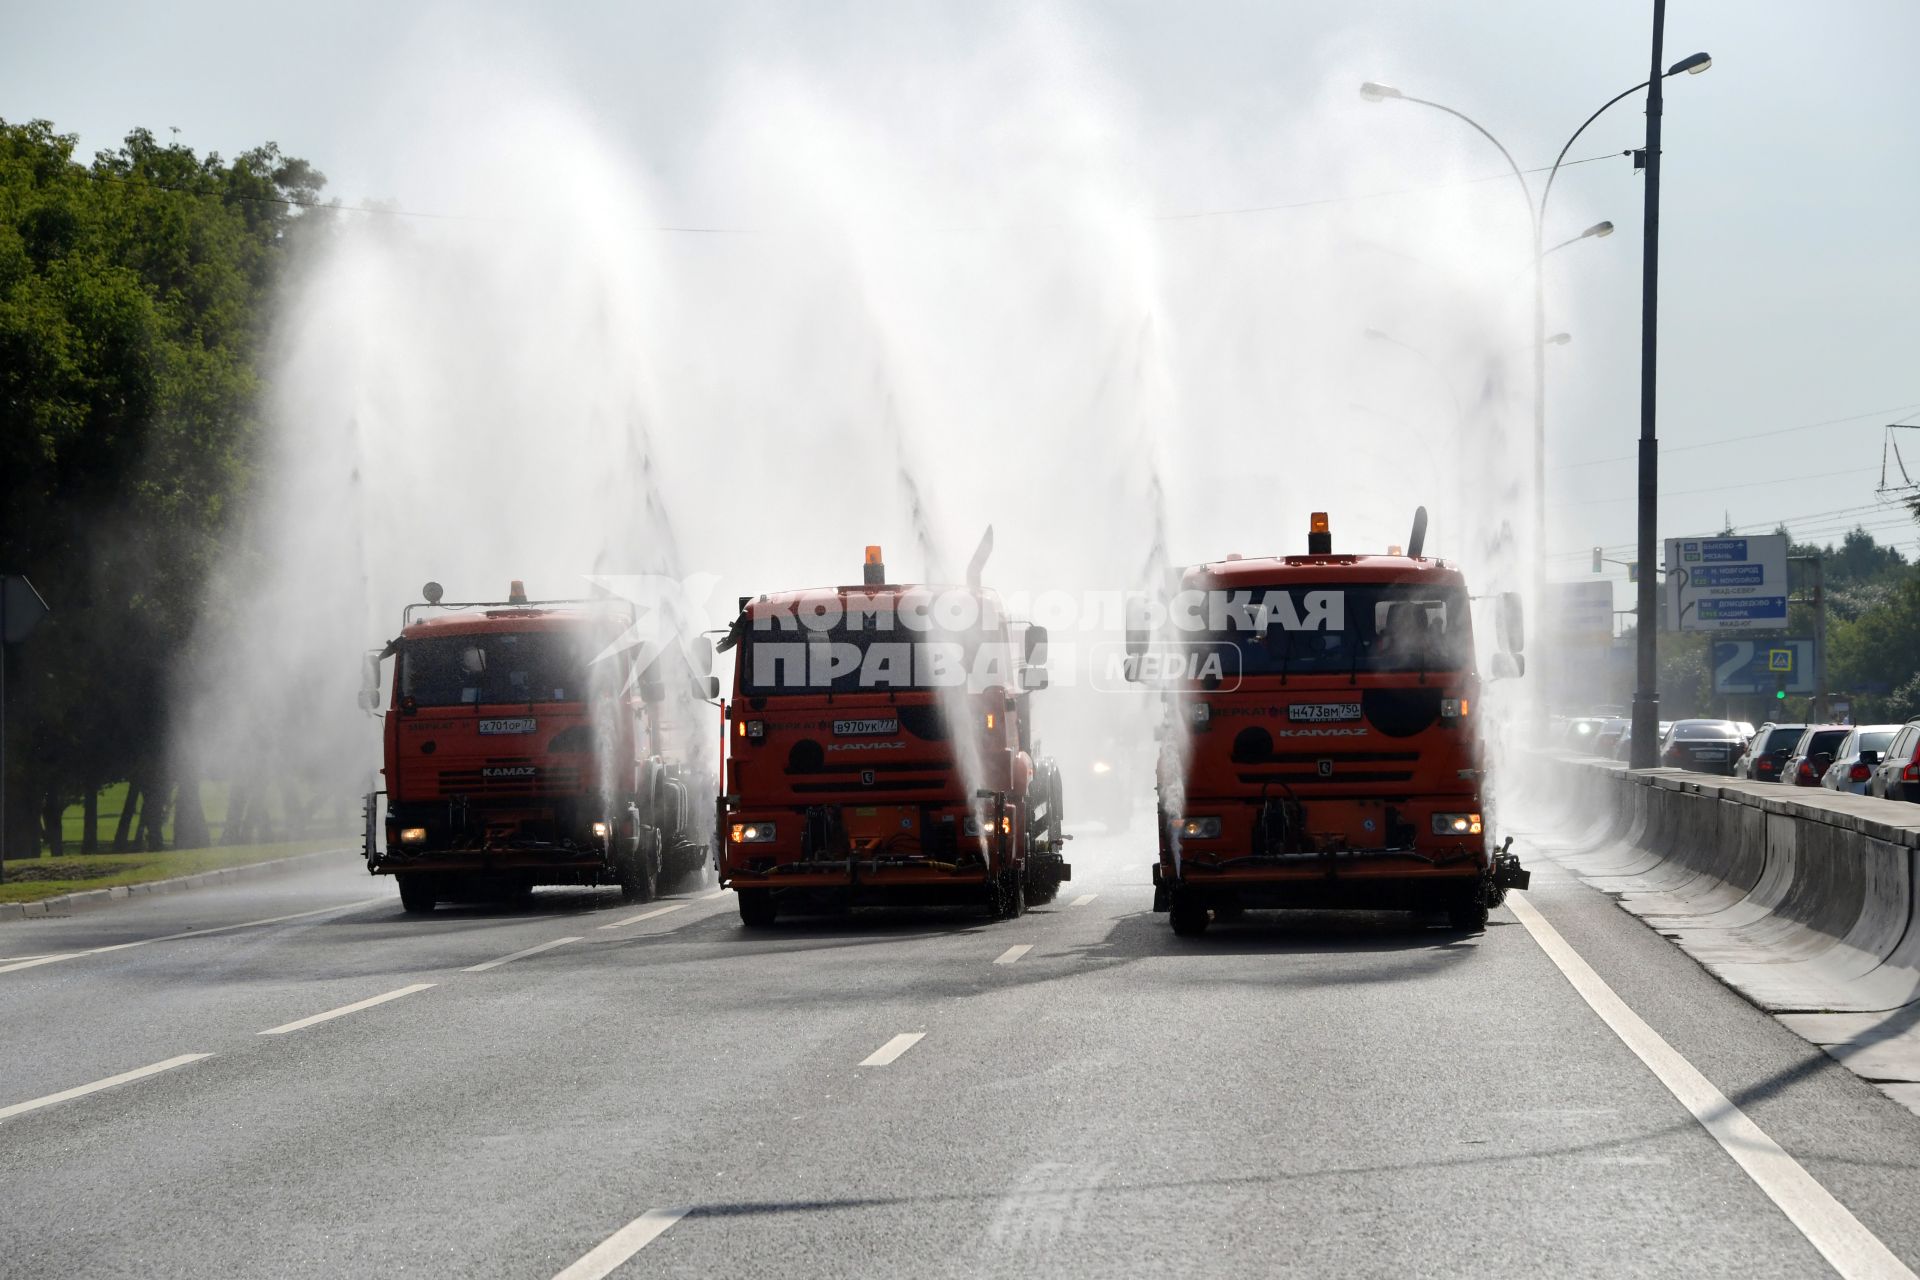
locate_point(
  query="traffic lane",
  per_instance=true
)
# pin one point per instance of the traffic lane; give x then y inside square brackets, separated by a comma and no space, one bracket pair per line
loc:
[1857,1142]
[317,882]
[1320,1094]
[96,1015]
[488,1126]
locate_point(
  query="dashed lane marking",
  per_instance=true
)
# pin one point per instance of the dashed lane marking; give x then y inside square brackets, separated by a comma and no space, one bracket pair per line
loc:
[1852,1250]
[892,1049]
[1083,899]
[1014,953]
[622,1244]
[518,955]
[81,1091]
[190,933]
[645,915]
[345,1009]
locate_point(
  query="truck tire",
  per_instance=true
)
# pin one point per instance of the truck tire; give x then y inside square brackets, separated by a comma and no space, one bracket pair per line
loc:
[640,870]
[757,908]
[416,893]
[1189,919]
[1468,917]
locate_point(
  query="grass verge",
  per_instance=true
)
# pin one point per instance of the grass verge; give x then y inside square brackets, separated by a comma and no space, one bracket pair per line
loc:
[31,879]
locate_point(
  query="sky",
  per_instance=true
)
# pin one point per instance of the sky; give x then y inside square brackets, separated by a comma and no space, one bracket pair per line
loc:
[1788,259]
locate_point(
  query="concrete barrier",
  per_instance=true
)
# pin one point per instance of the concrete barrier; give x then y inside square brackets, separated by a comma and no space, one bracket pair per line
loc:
[1804,900]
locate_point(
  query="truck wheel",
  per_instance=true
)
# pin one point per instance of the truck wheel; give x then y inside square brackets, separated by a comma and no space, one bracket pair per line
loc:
[640,870]
[416,894]
[757,908]
[1189,919]
[1468,917]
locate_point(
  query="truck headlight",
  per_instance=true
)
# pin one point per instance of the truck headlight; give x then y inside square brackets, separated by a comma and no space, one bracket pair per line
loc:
[413,835]
[1453,708]
[753,832]
[1456,824]
[972,826]
[1200,828]
[599,830]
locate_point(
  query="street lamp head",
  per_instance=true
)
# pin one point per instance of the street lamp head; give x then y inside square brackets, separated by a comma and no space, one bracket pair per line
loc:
[1559,339]
[1692,65]
[1373,91]
[1378,335]
[1598,229]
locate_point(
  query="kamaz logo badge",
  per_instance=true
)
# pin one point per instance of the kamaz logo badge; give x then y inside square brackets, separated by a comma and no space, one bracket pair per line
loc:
[866,777]
[1326,768]
[508,771]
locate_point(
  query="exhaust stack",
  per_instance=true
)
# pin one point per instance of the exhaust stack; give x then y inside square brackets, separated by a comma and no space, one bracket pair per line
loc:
[1417,543]
[979,562]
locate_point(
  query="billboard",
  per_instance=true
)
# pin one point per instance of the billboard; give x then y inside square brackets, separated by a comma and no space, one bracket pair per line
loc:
[1727,584]
[1764,666]
[1579,613]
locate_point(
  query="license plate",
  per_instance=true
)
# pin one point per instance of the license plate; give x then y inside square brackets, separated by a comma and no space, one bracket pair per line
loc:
[858,728]
[1710,755]
[1323,712]
[521,724]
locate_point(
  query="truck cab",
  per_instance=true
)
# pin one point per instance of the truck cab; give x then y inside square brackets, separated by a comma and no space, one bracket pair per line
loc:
[1319,746]
[524,744]
[880,750]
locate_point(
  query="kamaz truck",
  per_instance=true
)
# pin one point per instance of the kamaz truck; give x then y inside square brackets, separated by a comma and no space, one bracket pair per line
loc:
[532,742]
[1319,746]
[880,750]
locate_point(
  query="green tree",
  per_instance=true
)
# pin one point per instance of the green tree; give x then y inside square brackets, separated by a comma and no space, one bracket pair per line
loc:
[135,295]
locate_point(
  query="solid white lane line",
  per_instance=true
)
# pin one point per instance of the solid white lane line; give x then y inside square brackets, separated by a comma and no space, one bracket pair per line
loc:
[645,915]
[717,893]
[622,1244]
[81,1091]
[345,1009]
[892,1049]
[37,961]
[191,933]
[1014,953]
[518,955]
[1853,1251]
[1083,899]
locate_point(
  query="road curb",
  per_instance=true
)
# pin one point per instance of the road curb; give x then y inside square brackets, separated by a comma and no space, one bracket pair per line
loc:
[92,899]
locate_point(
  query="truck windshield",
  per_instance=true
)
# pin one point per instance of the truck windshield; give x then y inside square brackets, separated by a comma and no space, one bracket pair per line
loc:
[530,666]
[1337,630]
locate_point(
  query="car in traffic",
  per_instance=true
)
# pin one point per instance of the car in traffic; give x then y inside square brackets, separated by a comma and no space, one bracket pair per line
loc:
[1855,757]
[1704,746]
[1896,775]
[1608,735]
[1807,763]
[1623,749]
[1767,749]
[1580,733]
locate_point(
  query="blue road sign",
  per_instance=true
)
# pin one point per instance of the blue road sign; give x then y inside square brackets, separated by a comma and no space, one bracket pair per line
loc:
[1756,666]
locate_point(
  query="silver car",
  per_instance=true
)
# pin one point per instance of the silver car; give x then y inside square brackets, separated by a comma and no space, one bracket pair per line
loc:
[1854,758]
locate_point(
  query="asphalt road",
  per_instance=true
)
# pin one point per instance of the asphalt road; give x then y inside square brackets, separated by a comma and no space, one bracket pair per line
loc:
[1308,1095]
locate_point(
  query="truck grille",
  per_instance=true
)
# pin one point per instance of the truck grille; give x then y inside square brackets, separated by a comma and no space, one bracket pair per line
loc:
[505,778]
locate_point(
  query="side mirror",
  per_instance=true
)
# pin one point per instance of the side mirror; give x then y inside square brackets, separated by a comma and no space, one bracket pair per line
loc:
[370,682]
[713,688]
[1033,679]
[1035,644]
[1822,761]
[1506,666]
[1511,622]
[1869,758]
[700,655]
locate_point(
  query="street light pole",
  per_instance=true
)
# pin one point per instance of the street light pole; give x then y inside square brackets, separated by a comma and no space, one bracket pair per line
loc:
[1646,696]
